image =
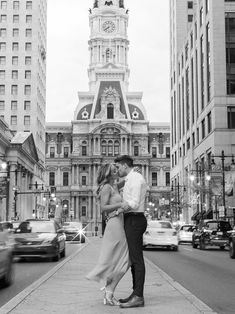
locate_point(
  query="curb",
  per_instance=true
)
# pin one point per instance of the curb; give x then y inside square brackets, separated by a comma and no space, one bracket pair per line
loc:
[15,301]
[197,303]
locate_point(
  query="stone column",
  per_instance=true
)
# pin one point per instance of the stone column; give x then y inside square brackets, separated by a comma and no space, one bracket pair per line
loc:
[73,179]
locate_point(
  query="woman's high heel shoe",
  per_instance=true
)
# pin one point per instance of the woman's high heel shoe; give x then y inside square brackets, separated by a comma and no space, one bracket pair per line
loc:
[109,298]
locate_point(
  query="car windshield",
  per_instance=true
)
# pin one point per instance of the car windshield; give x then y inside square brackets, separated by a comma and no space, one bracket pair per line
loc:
[187,228]
[160,224]
[67,225]
[37,227]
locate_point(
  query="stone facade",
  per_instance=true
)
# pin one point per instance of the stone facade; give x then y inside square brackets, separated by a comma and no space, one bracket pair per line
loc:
[109,120]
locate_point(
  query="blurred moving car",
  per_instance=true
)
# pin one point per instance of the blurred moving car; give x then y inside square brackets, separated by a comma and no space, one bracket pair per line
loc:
[160,233]
[6,225]
[231,243]
[211,232]
[185,233]
[40,238]
[6,259]
[74,231]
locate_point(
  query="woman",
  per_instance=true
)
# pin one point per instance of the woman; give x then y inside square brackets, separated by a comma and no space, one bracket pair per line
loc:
[113,261]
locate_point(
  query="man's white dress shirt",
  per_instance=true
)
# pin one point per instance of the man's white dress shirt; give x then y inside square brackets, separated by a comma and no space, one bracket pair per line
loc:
[134,191]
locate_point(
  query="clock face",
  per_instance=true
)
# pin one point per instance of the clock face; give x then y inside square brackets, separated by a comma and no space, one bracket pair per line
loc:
[108,26]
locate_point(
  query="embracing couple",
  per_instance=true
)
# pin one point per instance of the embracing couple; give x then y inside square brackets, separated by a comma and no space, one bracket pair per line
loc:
[122,241]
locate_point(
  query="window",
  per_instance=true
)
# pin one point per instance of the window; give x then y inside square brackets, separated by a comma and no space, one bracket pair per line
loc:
[27,89]
[3,5]
[136,150]
[14,89]
[209,122]
[66,152]
[27,75]
[84,149]
[110,109]
[3,18]
[2,46]
[190,4]
[3,32]
[231,117]
[13,120]
[103,147]
[198,137]
[83,210]
[13,105]
[65,178]
[28,19]
[52,178]
[154,178]
[28,60]
[52,152]
[83,180]
[2,105]
[15,46]
[116,147]
[15,32]
[168,182]
[168,152]
[29,5]
[28,46]
[16,5]
[201,16]
[193,139]
[16,18]
[28,32]
[26,120]
[190,18]
[2,89]
[27,105]
[203,128]
[2,74]
[15,60]
[110,148]
[14,75]
[154,152]
[188,143]
[3,60]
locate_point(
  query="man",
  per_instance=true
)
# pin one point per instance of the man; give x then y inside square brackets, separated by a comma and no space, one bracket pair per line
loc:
[135,224]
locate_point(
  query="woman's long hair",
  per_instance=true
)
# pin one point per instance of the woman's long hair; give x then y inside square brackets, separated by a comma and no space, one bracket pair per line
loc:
[103,176]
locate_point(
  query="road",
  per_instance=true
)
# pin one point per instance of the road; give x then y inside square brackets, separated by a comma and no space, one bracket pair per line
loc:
[209,274]
[29,271]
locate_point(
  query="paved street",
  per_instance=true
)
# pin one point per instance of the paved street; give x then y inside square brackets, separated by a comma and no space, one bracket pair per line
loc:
[27,272]
[207,274]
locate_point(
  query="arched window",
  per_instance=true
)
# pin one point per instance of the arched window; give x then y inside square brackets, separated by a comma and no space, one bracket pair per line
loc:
[116,147]
[136,148]
[110,111]
[84,148]
[103,147]
[108,55]
[110,148]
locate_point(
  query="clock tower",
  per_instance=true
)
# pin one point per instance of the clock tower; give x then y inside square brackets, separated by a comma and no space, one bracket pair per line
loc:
[108,43]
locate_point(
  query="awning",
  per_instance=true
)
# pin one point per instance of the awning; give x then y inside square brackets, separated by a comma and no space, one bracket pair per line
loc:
[208,214]
[194,216]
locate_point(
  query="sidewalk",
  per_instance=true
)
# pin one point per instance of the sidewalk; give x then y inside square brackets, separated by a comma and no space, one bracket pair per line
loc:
[66,290]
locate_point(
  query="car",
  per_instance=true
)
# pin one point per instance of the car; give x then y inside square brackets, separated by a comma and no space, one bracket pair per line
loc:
[231,243]
[39,238]
[160,233]
[185,233]
[211,232]
[6,225]
[74,231]
[6,259]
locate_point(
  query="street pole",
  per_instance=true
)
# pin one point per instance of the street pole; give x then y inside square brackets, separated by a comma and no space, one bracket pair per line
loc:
[178,200]
[223,182]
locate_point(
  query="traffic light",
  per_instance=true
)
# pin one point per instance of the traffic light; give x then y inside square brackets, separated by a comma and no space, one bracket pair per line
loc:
[52,191]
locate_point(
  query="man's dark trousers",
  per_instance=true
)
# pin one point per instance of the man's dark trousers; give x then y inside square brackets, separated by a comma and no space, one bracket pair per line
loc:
[135,225]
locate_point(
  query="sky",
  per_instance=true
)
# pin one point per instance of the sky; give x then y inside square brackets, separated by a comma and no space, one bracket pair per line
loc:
[68,56]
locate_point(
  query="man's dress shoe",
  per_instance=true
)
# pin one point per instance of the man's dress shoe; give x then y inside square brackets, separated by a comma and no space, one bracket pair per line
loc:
[126,299]
[134,301]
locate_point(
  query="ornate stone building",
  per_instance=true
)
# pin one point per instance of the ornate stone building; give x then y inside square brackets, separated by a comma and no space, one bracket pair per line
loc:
[109,120]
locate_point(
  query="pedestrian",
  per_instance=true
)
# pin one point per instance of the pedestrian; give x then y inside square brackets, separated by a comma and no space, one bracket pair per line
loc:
[113,260]
[135,224]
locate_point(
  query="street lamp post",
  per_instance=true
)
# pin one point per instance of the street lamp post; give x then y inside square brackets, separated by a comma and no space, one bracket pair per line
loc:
[177,188]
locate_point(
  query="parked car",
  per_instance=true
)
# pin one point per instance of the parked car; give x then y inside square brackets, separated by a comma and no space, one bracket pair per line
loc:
[74,231]
[185,233]
[211,232]
[231,242]
[160,233]
[6,259]
[6,225]
[40,238]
